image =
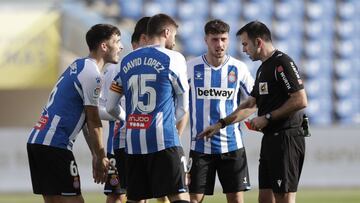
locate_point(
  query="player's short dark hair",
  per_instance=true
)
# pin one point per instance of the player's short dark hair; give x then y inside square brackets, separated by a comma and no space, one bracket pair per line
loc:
[216,27]
[99,33]
[140,28]
[158,23]
[254,30]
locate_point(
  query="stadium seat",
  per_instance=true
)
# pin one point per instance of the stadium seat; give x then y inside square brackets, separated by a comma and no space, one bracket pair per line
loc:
[346,109]
[131,9]
[227,10]
[346,9]
[191,9]
[168,7]
[191,29]
[345,48]
[344,68]
[345,29]
[346,87]
[319,111]
[194,46]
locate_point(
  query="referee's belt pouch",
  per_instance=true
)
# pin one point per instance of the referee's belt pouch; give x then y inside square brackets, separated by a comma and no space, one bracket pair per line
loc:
[295,131]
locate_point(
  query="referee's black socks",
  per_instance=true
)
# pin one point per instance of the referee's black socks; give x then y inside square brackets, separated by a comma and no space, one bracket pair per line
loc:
[180,201]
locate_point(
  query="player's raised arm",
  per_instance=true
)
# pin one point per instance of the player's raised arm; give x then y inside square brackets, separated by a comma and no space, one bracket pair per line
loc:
[244,110]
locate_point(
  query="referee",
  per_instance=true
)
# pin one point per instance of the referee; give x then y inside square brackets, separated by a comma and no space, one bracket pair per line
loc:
[279,95]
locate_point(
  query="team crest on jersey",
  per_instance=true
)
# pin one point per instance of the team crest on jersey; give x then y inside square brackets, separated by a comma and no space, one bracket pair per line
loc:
[263,88]
[76,183]
[199,75]
[232,76]
[97,91]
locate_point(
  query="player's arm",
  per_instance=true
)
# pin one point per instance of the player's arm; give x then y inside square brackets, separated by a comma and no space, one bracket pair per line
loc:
[91,85]
[95,142]
[112,104]
[104,115]
[178,79]
[244,110]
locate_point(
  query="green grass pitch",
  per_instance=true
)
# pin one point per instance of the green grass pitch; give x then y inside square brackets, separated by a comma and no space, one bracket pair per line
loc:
[307,195]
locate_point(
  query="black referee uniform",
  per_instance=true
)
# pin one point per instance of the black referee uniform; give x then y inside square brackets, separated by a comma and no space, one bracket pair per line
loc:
[283,144]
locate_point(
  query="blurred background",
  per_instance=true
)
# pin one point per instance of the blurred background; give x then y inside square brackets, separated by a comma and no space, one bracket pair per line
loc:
[40,38]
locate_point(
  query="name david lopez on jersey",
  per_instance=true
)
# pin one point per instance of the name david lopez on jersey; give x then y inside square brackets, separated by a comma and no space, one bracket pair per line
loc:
[214,93]
[137,62]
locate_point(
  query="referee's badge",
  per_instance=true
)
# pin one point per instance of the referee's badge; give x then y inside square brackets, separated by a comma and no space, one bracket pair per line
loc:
[263,88]
[232,76]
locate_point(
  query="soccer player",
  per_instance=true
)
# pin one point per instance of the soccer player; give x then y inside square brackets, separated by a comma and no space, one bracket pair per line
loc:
[153,81]
[280,97]
[218,83]
[115,186]
[73,100]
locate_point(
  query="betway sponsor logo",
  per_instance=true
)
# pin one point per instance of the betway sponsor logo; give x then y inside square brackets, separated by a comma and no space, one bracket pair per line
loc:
[214,93]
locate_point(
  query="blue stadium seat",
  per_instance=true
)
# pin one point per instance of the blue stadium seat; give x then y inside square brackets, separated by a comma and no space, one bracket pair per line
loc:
[168,7]
[344,68]
[318,88]
[345,48]
[131,9]
[346,29]
[194,46]
[346,110]
[313,30]
[191,9]
[346,87]
[346,9]
[319,111]
[191,29]
[227,10]
[257,11]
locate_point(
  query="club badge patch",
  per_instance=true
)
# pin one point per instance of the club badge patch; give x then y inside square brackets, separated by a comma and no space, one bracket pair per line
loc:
[76,183]
[232,76]
[263,88]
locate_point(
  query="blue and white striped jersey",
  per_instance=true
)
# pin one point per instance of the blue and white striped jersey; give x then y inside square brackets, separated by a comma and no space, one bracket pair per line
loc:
[215,92]
[116,134]
[63,116]
[151,78]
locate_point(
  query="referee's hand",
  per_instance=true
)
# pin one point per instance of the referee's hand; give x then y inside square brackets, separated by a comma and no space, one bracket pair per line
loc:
[209,131]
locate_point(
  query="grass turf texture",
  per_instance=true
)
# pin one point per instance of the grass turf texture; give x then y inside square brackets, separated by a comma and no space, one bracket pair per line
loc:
[308,195]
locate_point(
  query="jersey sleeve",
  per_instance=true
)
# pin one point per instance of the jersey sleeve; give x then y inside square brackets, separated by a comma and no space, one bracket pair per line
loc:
[179,81]
[287,74]
[178,74]
[90,80]
[246,81]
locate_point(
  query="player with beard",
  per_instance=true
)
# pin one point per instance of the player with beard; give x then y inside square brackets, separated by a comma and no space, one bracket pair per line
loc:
[153,81]
[218,83]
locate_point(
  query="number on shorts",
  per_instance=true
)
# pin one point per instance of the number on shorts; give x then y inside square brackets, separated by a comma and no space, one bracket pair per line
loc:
[73,169]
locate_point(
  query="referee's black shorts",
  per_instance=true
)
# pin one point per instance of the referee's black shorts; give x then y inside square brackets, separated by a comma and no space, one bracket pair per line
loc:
[281,161]
[156,175]
[53,171]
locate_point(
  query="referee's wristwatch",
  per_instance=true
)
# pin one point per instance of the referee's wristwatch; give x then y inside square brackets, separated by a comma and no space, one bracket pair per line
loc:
[268,116]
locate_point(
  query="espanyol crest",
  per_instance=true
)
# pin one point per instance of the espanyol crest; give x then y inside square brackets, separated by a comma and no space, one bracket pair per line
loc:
[232,76]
